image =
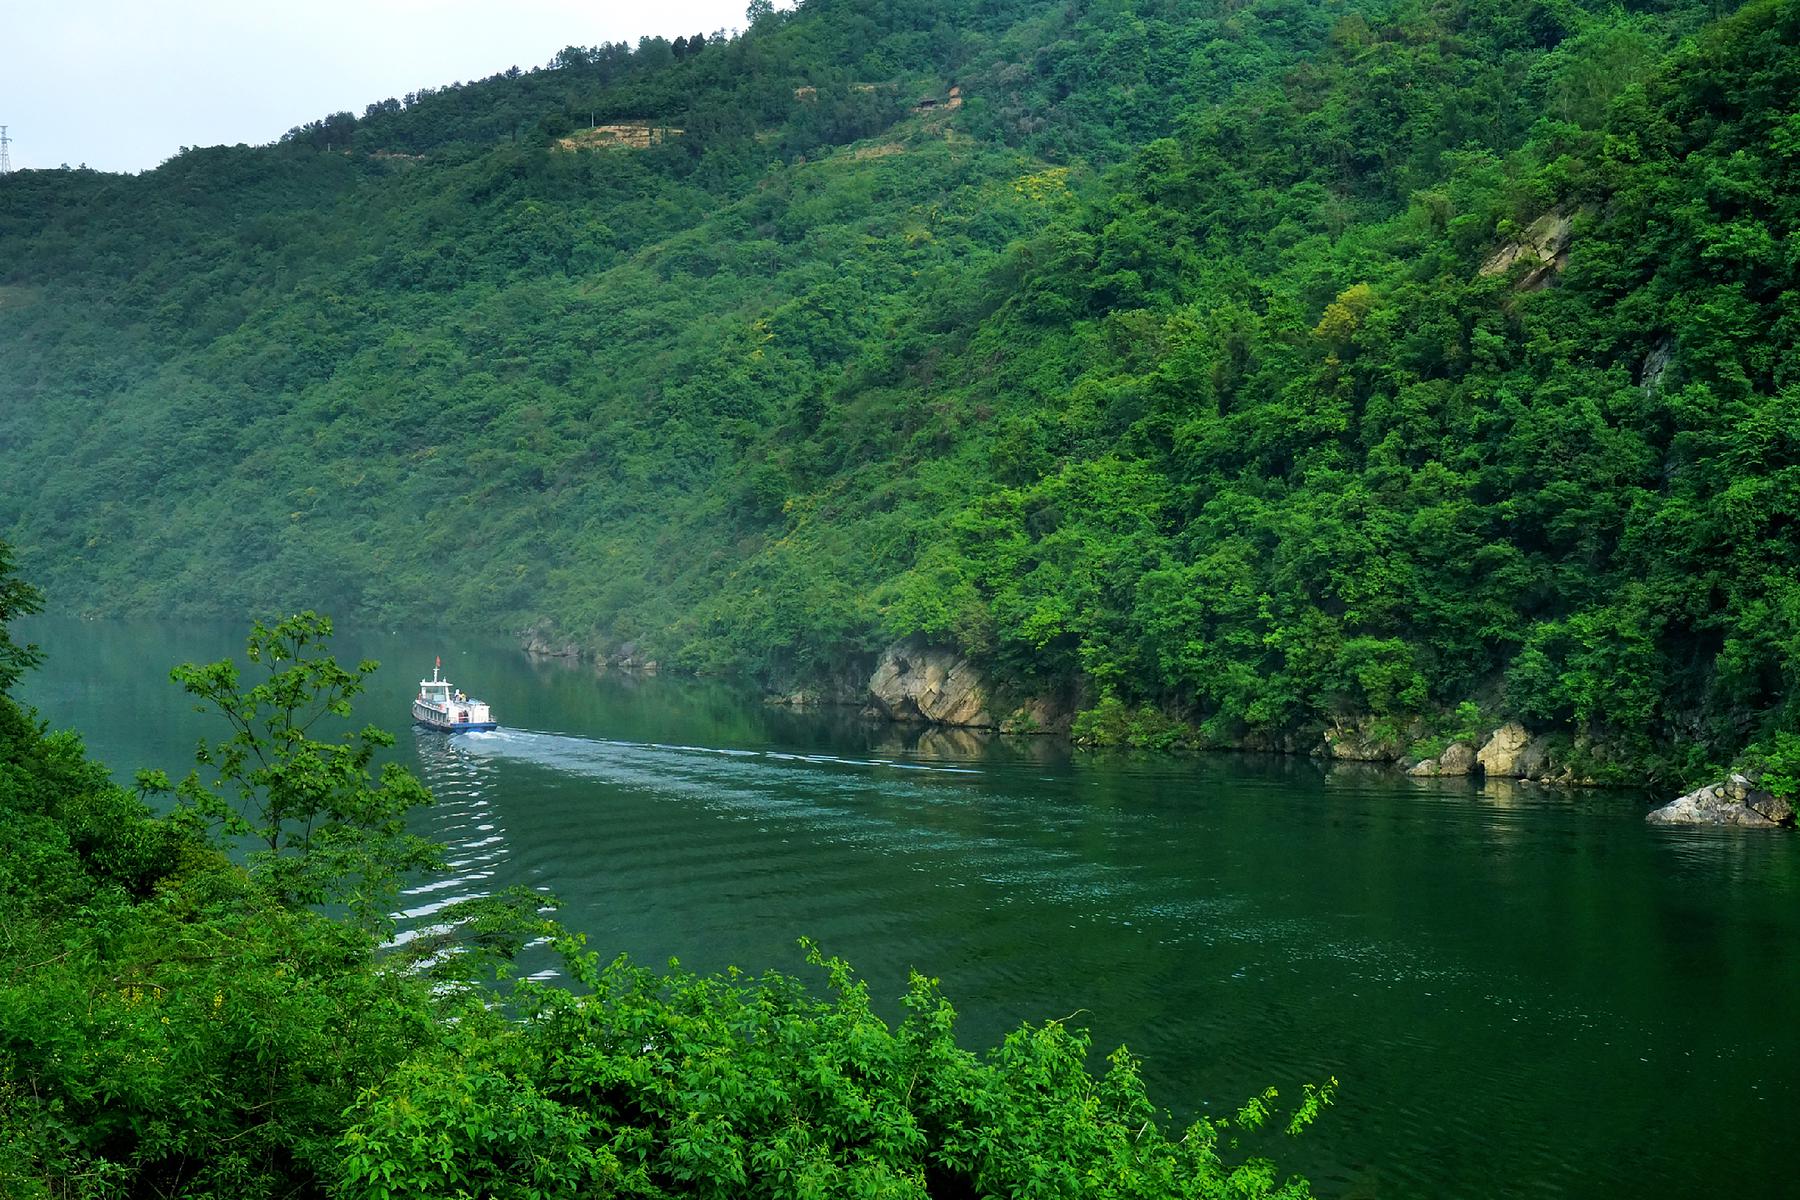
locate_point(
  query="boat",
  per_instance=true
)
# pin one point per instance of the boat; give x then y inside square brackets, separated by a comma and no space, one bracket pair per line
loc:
[441,705]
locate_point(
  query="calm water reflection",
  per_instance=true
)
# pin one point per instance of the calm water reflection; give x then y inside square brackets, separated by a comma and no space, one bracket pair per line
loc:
[1523,991]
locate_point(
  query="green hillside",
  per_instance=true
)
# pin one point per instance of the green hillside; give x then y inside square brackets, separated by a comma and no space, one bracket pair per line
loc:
[1235,365]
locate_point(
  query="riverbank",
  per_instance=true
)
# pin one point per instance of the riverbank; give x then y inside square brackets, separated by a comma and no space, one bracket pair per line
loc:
[915,682]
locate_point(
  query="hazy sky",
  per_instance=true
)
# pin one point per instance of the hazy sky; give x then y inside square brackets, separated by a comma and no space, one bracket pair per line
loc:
[122,85]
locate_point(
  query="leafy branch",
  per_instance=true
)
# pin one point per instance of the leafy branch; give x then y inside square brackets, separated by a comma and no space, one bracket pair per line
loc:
[324,828]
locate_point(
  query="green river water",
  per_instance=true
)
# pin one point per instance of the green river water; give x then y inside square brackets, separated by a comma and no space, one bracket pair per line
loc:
[1524,992]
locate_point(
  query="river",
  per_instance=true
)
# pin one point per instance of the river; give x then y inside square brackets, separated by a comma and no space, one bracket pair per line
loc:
[1523,991]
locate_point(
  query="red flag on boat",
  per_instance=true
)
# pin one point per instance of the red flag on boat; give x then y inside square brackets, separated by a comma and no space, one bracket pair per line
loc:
[439,662]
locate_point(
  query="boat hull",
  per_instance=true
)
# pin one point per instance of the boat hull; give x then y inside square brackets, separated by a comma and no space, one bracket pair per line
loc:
[453,727]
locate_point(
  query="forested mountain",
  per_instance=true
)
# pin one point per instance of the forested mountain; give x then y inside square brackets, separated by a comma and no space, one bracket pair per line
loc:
[1235,365]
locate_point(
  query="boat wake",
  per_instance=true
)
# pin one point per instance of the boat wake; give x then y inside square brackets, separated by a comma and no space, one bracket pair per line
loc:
[786,802]
[619,761]
[465,823]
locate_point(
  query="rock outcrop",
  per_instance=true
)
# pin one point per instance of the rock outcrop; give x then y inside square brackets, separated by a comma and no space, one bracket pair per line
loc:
[1367,739]
[1656,366]
[1736,801]
[631,137]
[800,697]
[845,684]
[1502,752]
[1040,714]
[1534,763]
[542,644]
[1511,752]
[917,682]
[1457,759]
[632,657]
[1544,246]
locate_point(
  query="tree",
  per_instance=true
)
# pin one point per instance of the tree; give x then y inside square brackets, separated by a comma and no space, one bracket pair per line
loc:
[17,599]
[325,831]
[571,56]
[168,1024]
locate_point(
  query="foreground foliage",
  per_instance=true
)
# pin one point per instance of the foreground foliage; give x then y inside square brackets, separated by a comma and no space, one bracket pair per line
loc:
[177,1022]
[647,1084]
[320,832]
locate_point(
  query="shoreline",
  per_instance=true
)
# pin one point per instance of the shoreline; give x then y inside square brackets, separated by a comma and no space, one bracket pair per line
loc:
[913,683]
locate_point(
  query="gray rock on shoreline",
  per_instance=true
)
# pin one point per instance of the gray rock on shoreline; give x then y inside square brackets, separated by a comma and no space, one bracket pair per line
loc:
[1736,801]
[1457,759]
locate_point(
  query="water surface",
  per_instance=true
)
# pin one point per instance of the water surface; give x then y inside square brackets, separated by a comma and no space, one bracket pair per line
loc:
[1524,992]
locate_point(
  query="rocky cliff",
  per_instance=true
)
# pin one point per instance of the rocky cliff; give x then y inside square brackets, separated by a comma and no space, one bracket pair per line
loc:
[1543,248]
[916,681]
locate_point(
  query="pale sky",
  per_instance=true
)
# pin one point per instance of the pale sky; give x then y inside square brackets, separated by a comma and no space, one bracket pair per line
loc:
[122,85]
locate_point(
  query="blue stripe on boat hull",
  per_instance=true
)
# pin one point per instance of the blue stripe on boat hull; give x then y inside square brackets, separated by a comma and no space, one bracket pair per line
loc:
[465,727]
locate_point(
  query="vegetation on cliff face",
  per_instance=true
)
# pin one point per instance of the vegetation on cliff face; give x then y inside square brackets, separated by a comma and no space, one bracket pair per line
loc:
[1248,362]
[178,1018]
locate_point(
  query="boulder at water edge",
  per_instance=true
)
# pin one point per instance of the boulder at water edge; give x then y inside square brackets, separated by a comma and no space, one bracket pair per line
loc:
[1457,759]
[917,682]
[1736,801]
[1504,749]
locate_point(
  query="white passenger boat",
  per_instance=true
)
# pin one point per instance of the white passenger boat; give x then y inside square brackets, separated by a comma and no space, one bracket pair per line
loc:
[440,705]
